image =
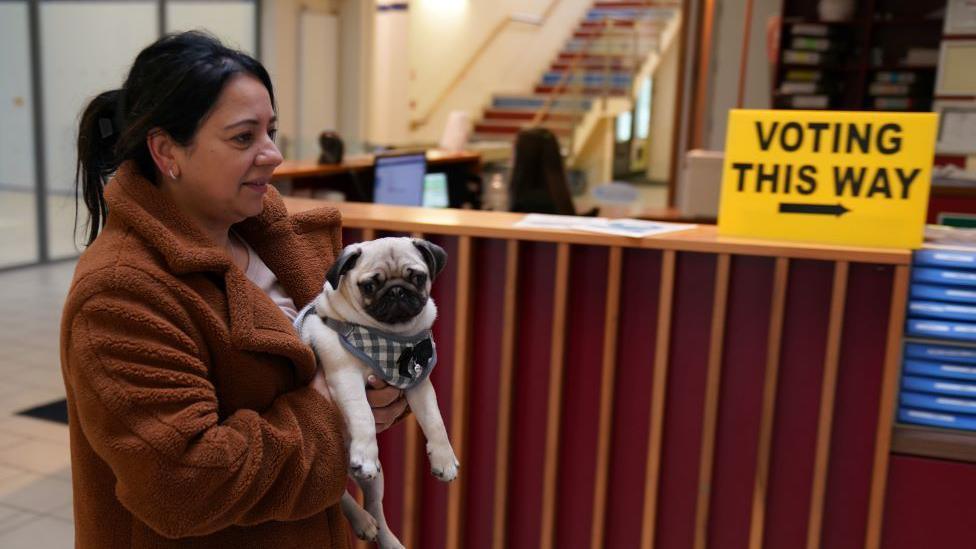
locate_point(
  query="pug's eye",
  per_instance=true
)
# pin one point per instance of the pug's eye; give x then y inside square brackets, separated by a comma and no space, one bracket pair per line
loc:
[418,279]
[367,287]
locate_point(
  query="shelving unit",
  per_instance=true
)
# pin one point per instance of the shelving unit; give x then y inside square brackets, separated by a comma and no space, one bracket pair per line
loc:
[884,58]
[936,399]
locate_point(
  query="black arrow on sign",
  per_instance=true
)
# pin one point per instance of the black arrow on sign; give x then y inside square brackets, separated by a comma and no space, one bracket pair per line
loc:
[820,209]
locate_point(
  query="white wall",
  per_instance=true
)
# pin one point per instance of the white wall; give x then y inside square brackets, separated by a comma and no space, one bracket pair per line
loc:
[389,103]
[318,75]
[355,52]
[279,54]
[726,55]
[444,34]
[661,139]
[231,22]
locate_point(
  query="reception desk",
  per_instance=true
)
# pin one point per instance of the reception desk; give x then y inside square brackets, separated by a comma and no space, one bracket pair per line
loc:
[354,176]
[680,391]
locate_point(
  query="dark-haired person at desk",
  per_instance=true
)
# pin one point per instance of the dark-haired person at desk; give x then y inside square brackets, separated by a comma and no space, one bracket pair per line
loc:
[538,183]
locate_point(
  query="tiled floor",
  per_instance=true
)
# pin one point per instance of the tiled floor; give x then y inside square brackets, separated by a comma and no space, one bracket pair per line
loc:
[35,472]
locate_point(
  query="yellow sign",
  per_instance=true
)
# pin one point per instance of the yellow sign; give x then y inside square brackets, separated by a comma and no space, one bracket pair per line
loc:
[854,178]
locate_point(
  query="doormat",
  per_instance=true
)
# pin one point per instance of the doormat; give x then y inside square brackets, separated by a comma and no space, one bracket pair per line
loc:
[56,411]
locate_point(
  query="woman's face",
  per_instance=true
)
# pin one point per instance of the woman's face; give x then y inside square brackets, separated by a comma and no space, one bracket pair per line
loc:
[225,171]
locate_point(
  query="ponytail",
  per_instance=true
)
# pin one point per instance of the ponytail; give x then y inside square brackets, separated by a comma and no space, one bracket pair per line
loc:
[97,158]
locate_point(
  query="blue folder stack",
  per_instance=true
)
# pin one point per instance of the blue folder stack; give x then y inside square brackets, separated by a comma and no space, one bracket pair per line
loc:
[938,385]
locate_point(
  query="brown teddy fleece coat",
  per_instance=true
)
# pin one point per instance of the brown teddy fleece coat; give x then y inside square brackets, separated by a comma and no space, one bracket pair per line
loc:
[191,420]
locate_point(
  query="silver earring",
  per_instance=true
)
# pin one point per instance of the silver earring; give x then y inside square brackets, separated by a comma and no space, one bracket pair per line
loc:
[171,176]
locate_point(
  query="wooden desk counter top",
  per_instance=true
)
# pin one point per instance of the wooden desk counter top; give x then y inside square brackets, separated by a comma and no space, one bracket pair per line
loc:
[703,238]
[293,168]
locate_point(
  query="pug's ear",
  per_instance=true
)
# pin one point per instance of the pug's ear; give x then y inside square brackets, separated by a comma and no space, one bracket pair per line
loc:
[434,256]
[346,261]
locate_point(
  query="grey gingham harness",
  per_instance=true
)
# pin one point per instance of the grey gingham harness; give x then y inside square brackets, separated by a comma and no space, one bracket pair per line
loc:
[401,361]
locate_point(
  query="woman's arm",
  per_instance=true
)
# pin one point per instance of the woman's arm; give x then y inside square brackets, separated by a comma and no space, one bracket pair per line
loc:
[146,405]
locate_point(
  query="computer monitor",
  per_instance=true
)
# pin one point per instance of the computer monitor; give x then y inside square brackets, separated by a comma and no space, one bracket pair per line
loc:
[435,190]
[400,179]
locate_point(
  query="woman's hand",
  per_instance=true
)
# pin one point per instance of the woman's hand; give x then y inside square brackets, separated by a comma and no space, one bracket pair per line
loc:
[387,402]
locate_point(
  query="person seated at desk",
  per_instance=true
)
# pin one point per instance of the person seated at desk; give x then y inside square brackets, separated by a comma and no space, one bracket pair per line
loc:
[538,183]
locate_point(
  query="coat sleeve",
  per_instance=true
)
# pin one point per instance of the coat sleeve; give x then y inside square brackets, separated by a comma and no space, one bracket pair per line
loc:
[147,407]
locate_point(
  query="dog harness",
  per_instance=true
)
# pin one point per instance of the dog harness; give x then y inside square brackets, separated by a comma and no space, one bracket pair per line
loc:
[401,361]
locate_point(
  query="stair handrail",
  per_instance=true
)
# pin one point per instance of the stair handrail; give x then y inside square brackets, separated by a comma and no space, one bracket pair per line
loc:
[606,67]
[580,85]
[495,32]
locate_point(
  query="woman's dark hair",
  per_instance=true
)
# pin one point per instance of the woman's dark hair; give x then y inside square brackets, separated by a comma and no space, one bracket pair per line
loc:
[173,85]
[538,181]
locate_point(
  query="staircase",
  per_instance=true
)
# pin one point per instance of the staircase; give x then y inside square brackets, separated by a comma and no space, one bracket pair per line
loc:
[601,59]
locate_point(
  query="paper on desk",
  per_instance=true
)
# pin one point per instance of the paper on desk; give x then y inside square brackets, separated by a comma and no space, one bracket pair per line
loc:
[622,227]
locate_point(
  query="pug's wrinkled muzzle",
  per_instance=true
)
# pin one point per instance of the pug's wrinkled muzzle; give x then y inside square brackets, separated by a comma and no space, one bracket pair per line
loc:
[396,304]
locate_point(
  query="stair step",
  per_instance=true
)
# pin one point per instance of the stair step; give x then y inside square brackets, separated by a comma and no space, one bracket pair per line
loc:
[619,35]
[623,43]
[568,56]
[642,13]
[586,25]
[503,129]
[599,74]
[603,4]
[554,125]
[510,137]
[613,40]
[521,115]
[588,92]
[532,101]
[564,109]
[623,50]
[591,66]
[593,79]
[626,28]
[667,5]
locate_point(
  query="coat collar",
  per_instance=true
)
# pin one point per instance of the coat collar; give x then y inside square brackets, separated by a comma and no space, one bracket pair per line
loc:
[299,252]
[298,259]
[146,210]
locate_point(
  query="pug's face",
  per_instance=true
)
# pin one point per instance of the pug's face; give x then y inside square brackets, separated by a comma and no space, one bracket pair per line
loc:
[389,278]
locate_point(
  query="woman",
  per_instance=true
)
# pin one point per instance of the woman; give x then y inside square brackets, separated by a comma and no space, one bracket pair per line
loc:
[538,181]
[197,416]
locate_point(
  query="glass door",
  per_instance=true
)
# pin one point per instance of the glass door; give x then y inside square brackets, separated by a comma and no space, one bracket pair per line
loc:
[76,66]
[18,181]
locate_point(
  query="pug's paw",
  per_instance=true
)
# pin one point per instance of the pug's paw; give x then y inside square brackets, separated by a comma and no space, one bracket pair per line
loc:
[364,462]
[443,464]
[365,526]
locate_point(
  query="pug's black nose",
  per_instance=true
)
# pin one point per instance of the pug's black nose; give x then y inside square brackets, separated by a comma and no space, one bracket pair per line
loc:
[396,292]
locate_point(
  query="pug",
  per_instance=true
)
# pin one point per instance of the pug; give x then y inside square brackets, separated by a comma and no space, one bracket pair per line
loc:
[374,316]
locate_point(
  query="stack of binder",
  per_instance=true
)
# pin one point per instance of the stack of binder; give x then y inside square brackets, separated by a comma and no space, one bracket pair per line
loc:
[938,386]
[811,50]
[900,91]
